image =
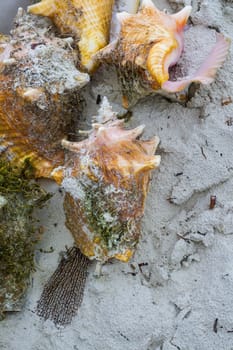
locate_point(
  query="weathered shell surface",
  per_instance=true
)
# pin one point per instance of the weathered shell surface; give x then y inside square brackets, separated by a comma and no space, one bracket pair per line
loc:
[87,20]
[106,182]
[39,94]
[149,43]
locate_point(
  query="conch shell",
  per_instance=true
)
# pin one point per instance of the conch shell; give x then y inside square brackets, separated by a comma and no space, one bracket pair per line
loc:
[106,180]
[149,43]
[87,20]
[39,95]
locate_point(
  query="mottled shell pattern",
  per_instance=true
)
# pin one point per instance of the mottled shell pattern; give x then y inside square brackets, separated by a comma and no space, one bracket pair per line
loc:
[88,21]
[39,94]
[149,43]
[106,180]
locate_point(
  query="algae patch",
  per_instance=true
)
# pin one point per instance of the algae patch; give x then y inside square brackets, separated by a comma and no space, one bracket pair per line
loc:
[18,197]
[102,213]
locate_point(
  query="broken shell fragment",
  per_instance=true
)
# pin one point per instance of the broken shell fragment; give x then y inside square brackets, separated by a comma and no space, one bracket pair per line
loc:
[87,20]
[106,179]
[39,95]
[149,43]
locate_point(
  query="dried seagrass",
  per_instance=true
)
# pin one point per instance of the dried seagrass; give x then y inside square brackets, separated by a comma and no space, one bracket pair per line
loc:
[63,293]
[87,20]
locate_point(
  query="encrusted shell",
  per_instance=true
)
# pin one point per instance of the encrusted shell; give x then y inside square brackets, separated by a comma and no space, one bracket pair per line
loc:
[106,181]
[39,94]
[87,20]
[149,43]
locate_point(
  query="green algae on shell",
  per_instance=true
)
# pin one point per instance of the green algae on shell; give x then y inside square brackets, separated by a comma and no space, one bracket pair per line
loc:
[106,179]
[18,236]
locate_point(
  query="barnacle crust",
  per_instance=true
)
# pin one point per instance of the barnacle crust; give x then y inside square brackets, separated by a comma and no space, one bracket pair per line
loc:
[106,181]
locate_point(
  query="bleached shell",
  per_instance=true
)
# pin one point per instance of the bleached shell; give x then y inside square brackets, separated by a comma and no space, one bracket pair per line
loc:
[87,20]
[39,95]
[106,182]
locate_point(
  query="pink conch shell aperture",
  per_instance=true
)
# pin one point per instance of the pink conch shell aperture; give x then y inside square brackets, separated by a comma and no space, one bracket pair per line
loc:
[106,179]
[39,94]
[88,21]
[149,43]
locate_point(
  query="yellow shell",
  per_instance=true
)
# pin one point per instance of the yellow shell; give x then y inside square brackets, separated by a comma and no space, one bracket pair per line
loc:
[106,181]
[87,20]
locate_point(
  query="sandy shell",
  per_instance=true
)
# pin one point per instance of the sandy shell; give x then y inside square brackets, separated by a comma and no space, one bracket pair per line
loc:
[39,94]
[106,181]
[88,21]
[149,43]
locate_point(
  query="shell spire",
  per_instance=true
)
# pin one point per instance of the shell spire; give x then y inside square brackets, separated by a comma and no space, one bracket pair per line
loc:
[149,43]
[88,21]
[106,180]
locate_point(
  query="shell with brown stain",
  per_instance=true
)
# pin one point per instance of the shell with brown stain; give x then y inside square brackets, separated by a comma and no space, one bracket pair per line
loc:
[149,43]
[39,94]
[88,21]
[106,180]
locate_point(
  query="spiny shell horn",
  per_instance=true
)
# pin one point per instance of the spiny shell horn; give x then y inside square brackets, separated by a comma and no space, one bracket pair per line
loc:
[106,180]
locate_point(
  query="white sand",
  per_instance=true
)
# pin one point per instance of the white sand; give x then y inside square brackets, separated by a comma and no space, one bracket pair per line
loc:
[174,301]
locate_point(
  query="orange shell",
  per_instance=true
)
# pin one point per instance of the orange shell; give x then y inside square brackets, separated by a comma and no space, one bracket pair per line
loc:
[34,97]
[87,20]
[106,181]
[142,52]
[149,43]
